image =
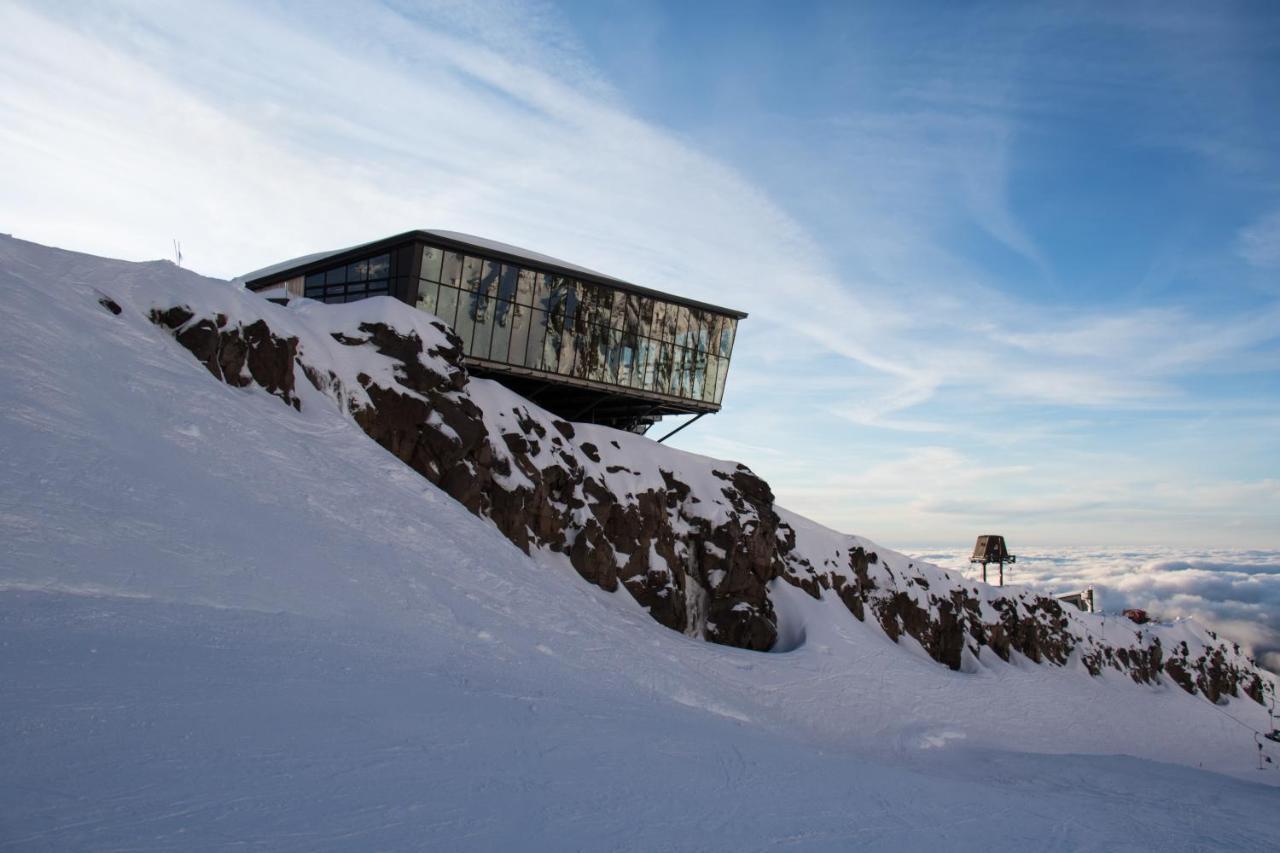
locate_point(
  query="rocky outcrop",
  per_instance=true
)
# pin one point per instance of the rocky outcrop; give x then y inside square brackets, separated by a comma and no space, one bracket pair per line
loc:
[697,543]
[238,355]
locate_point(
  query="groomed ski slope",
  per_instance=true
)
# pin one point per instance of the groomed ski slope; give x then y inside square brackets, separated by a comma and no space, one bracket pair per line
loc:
[226,623]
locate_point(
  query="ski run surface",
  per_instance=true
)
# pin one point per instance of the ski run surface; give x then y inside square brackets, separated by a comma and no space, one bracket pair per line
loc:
[226,624]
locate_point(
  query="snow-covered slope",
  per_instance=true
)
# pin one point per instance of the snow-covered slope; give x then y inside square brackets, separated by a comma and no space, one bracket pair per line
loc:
[227,619]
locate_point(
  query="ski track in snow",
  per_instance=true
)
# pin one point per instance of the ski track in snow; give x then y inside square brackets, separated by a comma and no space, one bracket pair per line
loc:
[226,623]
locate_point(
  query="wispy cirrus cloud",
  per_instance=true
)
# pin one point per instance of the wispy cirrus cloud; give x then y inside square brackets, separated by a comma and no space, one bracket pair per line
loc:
[256,132]
[1259,244]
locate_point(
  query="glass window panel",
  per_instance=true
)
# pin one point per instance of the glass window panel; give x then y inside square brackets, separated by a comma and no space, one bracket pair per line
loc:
[617,352]
[570,303]
[714,324]
[336,276]
[537,337]
[662,372]
[447,306]
[689,375]
[659,320]
[377,288]
[315,292]
[627,355]
[316,279]
[600,351]
[705,321]
[427,293]
[491,272]
[554,342]
[699,373]
[557,294]
[602,306]
[586,304]
[652,366]
[676,384]
[584,352]
[682,326]
[507,282]
[721,375]
[355,289]
[646,316]
[713,374]
[380,267]
[618,317]
[608,348]
[480,312]
[640,362]
[451,269]
[542,291]
[570,340]
[520,315]
[631,322]
[465,324]
[501,331]
[431,260]
[526,286]
[672,385]
[727,333]
[683,373]
[358,270]
[472,268]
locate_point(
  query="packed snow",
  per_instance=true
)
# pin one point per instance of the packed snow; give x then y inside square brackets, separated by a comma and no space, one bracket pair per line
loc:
[225,623]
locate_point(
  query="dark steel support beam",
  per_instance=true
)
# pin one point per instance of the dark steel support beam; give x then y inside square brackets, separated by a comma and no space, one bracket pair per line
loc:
[578,417]
[682,426]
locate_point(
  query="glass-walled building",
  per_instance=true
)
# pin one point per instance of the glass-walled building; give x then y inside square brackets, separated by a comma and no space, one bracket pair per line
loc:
[583,345]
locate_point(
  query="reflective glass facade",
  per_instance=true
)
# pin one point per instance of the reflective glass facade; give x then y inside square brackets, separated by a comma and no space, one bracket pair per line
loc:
[513,314]
[350,282]
[578,343]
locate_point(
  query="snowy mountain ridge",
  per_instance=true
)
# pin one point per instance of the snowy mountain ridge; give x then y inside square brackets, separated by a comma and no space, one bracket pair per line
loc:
[697,542]
[226,612]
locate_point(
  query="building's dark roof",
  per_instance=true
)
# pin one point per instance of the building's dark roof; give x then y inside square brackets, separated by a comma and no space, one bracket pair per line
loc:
[276,273]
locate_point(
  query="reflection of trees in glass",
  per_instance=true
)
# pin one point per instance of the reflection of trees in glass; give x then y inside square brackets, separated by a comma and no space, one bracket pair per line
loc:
[727,332]
[552,342]
[559,324]
[664,366]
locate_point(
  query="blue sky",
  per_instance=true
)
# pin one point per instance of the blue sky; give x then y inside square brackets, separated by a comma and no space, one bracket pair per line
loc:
[1009,269]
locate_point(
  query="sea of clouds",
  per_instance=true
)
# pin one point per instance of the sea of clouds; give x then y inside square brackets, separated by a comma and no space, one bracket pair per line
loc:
[1236,593]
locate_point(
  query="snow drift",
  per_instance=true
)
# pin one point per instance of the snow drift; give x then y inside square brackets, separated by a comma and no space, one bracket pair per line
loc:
[227,614]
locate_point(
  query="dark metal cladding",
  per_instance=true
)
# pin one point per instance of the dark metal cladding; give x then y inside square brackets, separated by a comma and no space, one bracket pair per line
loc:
[581,344]
[990,549]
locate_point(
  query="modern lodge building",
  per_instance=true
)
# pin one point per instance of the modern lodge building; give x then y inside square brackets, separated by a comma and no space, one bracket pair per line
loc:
[583,345]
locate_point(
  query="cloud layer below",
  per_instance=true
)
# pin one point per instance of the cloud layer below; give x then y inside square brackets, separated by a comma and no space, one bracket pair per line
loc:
[1237,593]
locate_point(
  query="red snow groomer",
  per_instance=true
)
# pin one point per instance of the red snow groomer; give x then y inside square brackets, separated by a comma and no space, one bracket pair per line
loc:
[1137,615]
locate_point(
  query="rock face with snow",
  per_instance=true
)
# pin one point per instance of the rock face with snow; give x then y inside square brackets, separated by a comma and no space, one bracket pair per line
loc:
[698,543]
[699,563]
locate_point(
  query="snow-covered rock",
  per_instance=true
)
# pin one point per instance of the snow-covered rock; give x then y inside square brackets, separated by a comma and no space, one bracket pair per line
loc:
[695,541]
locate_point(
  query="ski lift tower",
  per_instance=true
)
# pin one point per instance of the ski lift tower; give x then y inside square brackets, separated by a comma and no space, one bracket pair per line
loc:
[990,549]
